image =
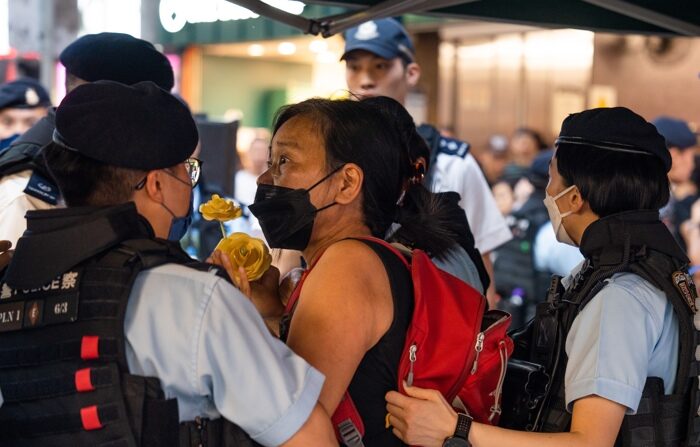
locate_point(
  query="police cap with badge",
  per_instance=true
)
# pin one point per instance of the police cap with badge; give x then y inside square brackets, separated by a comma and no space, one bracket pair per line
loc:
[25,93]
[117,57]
[616,129]
[139,127]
[384,37]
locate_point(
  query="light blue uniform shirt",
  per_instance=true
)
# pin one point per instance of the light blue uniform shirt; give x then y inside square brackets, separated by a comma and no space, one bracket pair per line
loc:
[553,256]
[626,333]
[211,351]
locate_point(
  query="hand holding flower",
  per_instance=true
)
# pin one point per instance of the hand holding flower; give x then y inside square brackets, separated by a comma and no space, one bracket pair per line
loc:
[248,252]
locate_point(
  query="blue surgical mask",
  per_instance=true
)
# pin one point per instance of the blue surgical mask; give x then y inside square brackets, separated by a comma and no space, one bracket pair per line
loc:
[6,142]
[180,225]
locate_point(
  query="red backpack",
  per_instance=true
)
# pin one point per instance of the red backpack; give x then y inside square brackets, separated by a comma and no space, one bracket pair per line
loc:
[452,345]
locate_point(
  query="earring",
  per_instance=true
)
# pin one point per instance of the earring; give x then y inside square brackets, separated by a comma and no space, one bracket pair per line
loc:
[418,174]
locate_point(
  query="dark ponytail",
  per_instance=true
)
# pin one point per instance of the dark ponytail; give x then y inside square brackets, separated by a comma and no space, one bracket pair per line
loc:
[431,222]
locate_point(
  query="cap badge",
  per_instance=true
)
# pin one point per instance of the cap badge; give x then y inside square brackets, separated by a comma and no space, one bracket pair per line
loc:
[367,31]
[31,97]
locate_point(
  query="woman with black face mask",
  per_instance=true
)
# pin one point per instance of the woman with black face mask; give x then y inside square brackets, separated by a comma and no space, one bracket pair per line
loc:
[340,171]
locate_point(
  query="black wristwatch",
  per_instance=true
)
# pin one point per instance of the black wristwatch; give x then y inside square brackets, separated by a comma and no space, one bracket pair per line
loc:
[461,436]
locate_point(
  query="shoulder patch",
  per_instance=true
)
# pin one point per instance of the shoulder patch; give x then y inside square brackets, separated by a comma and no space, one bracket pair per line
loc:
[451,146]
[685,286]
[42,189]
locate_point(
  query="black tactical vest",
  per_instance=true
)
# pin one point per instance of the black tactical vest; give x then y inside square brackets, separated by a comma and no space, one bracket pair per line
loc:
[635,242]
[63,371]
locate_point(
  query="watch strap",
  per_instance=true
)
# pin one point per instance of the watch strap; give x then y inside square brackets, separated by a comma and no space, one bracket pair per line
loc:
[464,423]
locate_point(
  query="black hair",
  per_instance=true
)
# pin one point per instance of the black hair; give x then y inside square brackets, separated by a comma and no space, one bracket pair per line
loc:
[87,182]
[612,182]
[363,133]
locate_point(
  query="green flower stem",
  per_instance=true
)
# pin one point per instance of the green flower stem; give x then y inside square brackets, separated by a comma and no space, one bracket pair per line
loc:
[223,229]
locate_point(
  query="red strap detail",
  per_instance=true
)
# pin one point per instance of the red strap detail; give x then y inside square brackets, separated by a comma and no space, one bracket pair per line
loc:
[82,380]
[90,418]
[88,347]
[347,410]
[294,297]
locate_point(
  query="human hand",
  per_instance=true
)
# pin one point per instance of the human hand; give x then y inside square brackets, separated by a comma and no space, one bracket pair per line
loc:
[264,292]
[5,253]
[422,418]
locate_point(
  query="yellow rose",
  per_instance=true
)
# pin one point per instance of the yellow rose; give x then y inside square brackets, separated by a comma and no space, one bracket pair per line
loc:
[248,252]
[220,209]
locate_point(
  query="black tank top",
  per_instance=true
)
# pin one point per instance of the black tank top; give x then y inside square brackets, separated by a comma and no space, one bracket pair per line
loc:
[377,373]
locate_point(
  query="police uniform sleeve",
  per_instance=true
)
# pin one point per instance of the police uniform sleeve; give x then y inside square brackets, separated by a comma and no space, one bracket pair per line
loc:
[611,341]
[14,204]
[464,176]
[255,380]
[211,351]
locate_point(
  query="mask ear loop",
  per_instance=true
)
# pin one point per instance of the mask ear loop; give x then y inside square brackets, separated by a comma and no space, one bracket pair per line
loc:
[325,178]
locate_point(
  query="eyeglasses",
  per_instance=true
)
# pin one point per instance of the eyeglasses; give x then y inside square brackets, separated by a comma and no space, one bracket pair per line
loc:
[194,170]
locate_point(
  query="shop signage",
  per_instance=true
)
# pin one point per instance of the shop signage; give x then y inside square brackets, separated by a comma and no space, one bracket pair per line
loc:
[175,14]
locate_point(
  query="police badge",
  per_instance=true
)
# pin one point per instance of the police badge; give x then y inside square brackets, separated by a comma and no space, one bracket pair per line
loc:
[683,282]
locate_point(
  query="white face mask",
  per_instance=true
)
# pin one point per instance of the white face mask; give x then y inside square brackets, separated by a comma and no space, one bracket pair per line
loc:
[557,217]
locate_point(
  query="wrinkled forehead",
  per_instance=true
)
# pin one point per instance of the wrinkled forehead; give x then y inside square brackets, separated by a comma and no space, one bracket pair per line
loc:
[300,134]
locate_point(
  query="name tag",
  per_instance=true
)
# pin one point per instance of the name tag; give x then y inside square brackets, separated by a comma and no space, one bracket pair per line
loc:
[54,303]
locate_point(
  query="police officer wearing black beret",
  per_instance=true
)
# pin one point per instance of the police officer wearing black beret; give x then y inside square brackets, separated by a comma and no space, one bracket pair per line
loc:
[110,333]
[24,182]
[616,338]
[22,103]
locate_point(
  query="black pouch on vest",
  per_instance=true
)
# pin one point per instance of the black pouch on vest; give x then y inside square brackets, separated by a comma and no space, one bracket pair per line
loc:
[523,391]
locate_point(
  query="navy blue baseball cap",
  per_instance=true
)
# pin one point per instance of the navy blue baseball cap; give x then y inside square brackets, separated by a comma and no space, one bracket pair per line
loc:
[384,37]
[676,132]
[25,93]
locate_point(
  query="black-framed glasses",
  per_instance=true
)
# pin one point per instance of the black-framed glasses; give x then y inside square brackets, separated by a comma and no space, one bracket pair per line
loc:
[194,170]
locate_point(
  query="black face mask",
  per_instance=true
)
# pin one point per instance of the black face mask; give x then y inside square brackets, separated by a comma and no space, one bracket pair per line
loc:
[286,215]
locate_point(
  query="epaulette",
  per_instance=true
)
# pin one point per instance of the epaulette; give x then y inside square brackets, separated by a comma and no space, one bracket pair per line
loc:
[451,146]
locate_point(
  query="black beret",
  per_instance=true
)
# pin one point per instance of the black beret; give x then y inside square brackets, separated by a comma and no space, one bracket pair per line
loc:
[138,127]
[23,93]
[617,129]
[117,57]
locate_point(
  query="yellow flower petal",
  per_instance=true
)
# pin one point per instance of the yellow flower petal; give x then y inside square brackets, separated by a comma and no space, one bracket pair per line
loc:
[220,209]
[248,252]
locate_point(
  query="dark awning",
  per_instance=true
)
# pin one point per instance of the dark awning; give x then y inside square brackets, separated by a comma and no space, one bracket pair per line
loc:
[663,17]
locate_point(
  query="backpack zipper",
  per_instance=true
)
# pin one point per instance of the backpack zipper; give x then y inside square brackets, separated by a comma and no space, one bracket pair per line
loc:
[479,347]
[481,336]
[412,359]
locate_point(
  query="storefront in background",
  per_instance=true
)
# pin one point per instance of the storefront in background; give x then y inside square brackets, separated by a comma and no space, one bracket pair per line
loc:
[237,65]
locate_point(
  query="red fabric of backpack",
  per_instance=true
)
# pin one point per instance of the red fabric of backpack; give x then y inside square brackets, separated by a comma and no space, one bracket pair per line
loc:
[452,345]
